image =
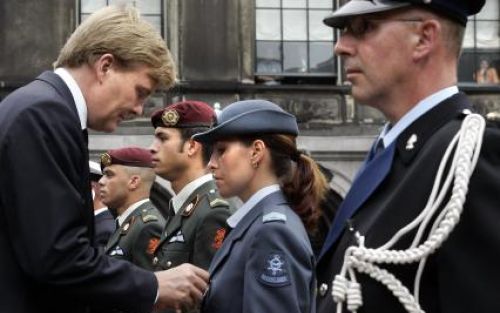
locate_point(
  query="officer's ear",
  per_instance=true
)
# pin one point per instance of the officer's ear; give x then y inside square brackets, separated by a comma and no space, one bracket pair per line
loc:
[257,152]
[426,37]
[193,147]
[134,182]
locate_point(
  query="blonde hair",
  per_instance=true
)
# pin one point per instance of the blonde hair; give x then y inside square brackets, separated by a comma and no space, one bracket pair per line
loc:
[120,31]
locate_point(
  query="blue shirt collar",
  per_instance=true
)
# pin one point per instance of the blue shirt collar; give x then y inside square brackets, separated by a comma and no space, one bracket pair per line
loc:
[234,219]
[390,134]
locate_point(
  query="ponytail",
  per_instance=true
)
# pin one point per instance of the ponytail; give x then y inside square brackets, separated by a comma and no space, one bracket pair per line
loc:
[301,180]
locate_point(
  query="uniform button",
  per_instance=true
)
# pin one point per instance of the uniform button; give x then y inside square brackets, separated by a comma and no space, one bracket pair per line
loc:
[155,260]
[323,288]
[169,264]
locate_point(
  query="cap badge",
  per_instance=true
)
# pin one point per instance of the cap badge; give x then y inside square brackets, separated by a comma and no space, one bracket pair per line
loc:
[410,144]
[170,117]
[105,159]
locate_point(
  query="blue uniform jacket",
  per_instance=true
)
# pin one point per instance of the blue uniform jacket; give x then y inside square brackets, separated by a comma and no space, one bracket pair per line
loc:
[266,264]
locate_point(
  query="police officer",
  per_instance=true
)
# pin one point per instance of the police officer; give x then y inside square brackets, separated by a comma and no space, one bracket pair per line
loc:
[125,187]
[400,242]
[266,264]
[196,225]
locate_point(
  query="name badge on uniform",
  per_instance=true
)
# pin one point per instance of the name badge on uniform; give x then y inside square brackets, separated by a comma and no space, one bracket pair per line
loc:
[179,237]
[275,270]
[116,251]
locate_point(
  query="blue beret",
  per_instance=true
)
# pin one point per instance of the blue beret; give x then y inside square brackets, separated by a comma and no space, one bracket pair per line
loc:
[457,10]
[250,117]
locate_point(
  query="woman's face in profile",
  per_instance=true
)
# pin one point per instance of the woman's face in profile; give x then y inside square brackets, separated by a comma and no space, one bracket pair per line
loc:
[231,167]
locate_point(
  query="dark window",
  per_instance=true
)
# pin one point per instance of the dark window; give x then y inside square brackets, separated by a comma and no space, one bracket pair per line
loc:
[151,10]
[480,60]
[291,39]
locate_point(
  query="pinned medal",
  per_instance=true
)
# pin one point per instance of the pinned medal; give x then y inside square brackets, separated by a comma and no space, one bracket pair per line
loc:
[170,117]
[410,144]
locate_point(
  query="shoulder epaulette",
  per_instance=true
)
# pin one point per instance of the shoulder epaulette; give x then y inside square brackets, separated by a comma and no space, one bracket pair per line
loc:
[148,216]
[215,199]
[274,214]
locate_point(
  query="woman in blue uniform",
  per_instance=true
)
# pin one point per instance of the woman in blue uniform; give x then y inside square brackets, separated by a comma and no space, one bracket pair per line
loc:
[266,263]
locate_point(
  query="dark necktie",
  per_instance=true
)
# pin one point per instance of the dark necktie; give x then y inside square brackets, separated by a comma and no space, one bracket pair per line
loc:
[85,136]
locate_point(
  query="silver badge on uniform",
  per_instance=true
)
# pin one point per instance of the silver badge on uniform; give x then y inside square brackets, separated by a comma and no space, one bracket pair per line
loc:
[179,237]
[275,270]
[116,251]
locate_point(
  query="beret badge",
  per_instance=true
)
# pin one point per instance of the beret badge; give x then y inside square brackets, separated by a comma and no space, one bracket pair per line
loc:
[170,117]
[105,159]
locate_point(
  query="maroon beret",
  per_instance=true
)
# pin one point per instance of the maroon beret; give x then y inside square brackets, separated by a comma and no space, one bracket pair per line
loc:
[185,114]
[130,156]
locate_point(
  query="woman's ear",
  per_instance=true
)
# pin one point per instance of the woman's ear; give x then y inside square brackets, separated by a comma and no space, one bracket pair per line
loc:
[258,150]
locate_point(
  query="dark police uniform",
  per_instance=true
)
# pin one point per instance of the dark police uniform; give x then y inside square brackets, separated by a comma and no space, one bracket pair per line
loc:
[196,232]
[461,275]
[138,236]
[266,264]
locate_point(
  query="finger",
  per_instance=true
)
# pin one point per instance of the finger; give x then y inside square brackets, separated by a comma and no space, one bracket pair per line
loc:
[201,273]
[197,295]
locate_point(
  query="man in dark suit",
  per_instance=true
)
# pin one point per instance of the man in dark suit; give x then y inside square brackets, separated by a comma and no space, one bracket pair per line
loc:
[104,221]
[126,185]
[196,227]
[412,235]
[48,260]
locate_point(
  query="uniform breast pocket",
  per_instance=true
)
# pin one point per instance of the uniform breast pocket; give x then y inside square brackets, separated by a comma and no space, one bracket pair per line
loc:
[171,257]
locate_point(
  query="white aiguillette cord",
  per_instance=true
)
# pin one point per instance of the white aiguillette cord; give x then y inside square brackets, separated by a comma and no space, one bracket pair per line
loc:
[467,145]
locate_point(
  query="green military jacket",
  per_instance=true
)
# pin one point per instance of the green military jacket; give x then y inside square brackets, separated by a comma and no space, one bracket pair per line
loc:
[138,236]
[196,232]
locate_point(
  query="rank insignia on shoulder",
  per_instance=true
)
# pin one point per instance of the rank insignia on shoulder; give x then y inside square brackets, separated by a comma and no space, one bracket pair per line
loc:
[218,202]
[275,270]
[220,234]
[189,209]
[149,218]
[152,245]
[274,217]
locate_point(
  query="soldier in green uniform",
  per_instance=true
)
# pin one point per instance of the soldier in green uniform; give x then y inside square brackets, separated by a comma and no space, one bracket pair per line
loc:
[125,187]
[196,225]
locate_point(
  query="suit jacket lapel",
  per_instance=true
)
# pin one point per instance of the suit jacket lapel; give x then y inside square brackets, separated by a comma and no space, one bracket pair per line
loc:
[371,175]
